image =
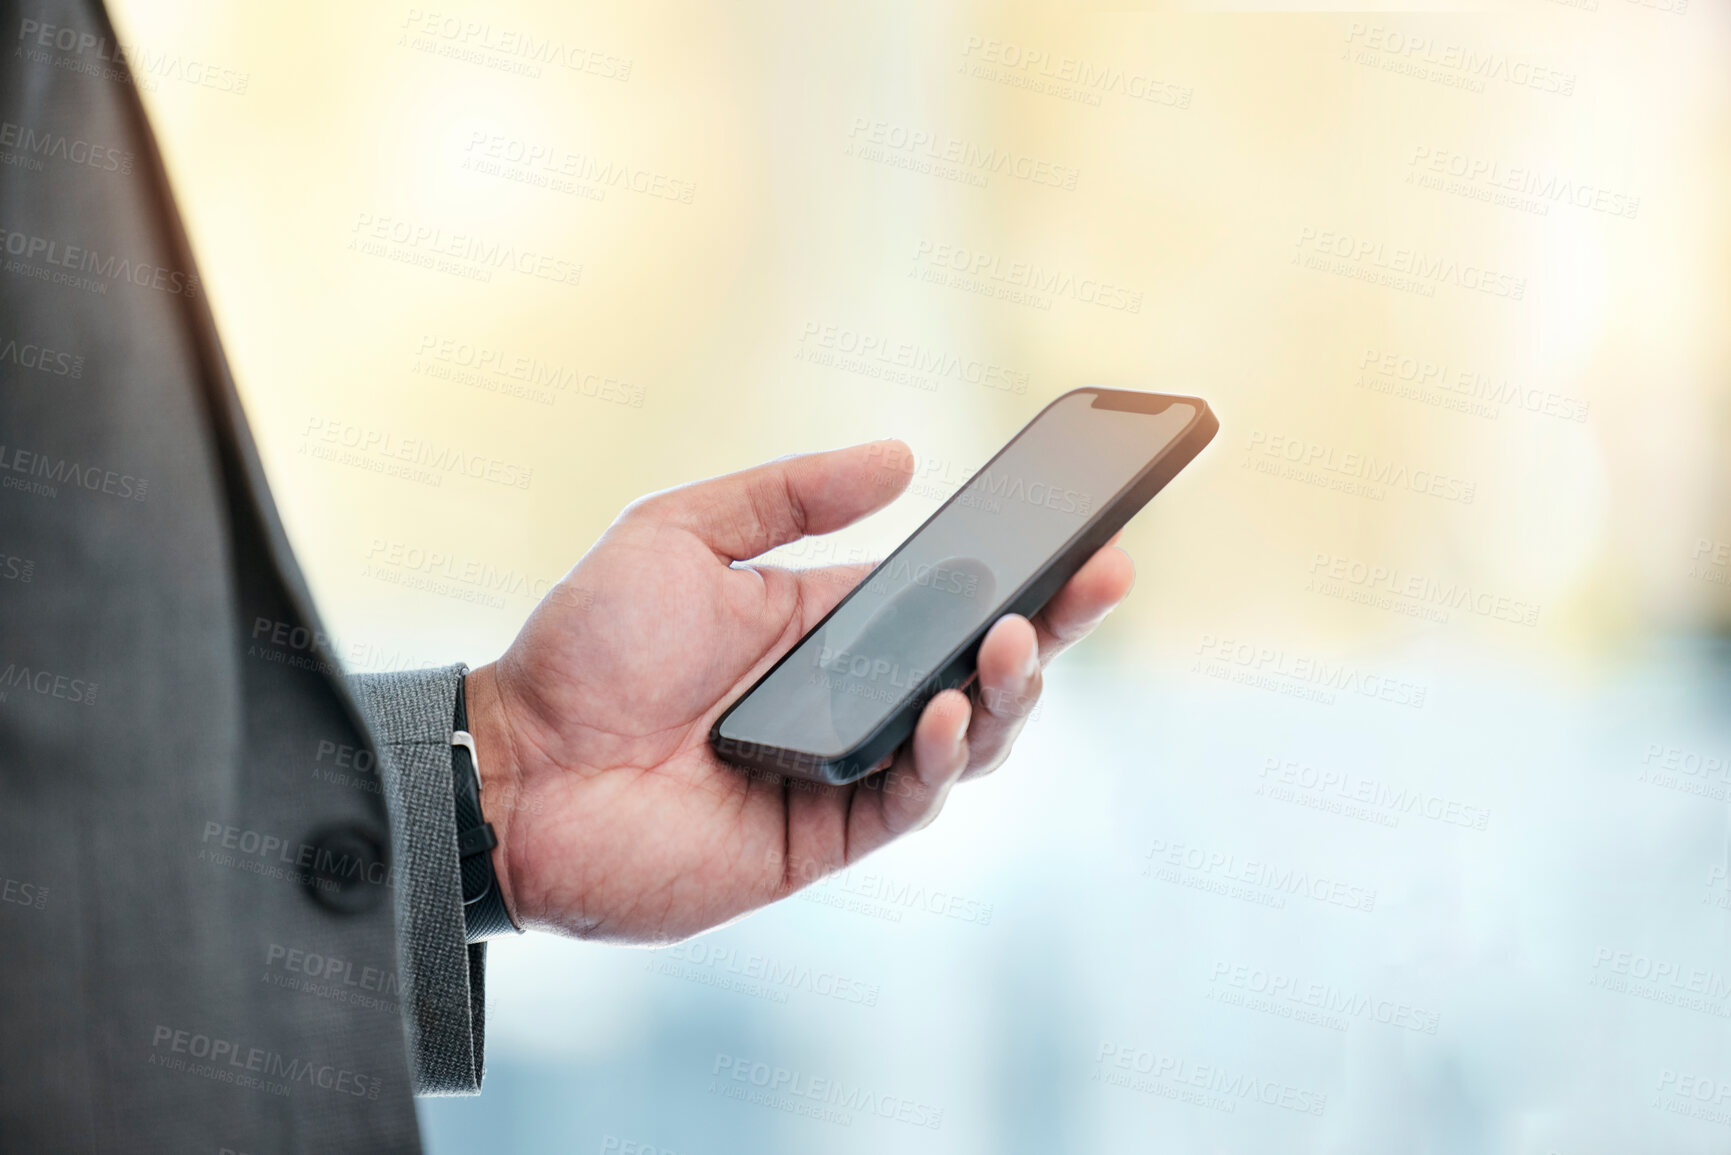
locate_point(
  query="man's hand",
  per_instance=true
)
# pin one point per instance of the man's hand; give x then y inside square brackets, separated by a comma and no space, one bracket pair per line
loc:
[615,820]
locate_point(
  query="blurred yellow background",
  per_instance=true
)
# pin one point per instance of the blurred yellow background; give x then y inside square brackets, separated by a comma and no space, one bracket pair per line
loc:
[1487,248]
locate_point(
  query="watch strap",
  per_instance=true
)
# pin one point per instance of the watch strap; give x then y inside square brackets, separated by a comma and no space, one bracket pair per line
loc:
[484,912]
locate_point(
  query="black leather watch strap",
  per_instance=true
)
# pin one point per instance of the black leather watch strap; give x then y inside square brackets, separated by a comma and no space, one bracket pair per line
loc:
[484,913]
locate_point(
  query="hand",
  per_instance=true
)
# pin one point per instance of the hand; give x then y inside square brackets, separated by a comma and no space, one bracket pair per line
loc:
[615,819]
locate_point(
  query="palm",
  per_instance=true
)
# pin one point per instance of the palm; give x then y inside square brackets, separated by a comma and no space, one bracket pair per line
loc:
[624,825]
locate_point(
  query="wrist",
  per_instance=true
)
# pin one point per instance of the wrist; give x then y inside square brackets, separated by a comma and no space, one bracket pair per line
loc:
[498,772]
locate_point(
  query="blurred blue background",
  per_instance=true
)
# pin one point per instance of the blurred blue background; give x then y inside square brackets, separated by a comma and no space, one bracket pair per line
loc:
[1505,991]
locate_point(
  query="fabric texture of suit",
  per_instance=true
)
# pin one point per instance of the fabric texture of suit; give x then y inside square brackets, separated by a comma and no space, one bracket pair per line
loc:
[230,908]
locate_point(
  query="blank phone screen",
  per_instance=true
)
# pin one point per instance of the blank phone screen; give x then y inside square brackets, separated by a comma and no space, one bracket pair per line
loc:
[953,576]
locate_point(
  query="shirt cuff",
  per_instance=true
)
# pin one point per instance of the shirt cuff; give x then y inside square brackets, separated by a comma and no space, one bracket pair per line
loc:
[442,977]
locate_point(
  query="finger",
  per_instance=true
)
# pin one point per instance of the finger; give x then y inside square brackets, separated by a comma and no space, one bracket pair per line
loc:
[1005,694]
[1102,582]
[744,514]
[910,794]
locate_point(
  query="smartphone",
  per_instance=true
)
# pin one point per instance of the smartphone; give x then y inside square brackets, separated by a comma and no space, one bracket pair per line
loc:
[849,693]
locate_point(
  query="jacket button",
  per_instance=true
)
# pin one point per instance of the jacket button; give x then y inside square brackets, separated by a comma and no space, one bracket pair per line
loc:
[348,873]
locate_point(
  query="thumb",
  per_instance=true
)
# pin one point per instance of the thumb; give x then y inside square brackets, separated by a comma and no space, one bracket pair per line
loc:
[740,515]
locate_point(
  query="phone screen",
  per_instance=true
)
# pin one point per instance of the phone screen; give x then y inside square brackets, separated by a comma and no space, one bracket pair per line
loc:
[952,576]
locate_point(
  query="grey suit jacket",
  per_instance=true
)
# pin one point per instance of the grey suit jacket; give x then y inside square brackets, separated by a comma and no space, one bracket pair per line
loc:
[230,912]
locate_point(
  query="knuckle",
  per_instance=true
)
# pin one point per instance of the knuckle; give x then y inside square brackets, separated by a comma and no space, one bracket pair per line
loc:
[1012,704]
[928,814]
[987,766]
[650,507]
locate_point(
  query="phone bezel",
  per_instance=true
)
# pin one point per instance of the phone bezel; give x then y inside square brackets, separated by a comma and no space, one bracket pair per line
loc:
[957,668]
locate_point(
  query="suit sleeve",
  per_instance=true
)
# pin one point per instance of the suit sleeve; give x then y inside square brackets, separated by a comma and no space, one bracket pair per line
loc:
[442,977]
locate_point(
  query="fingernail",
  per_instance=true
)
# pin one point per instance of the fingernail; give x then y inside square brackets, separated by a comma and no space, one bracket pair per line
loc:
[1031,666]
